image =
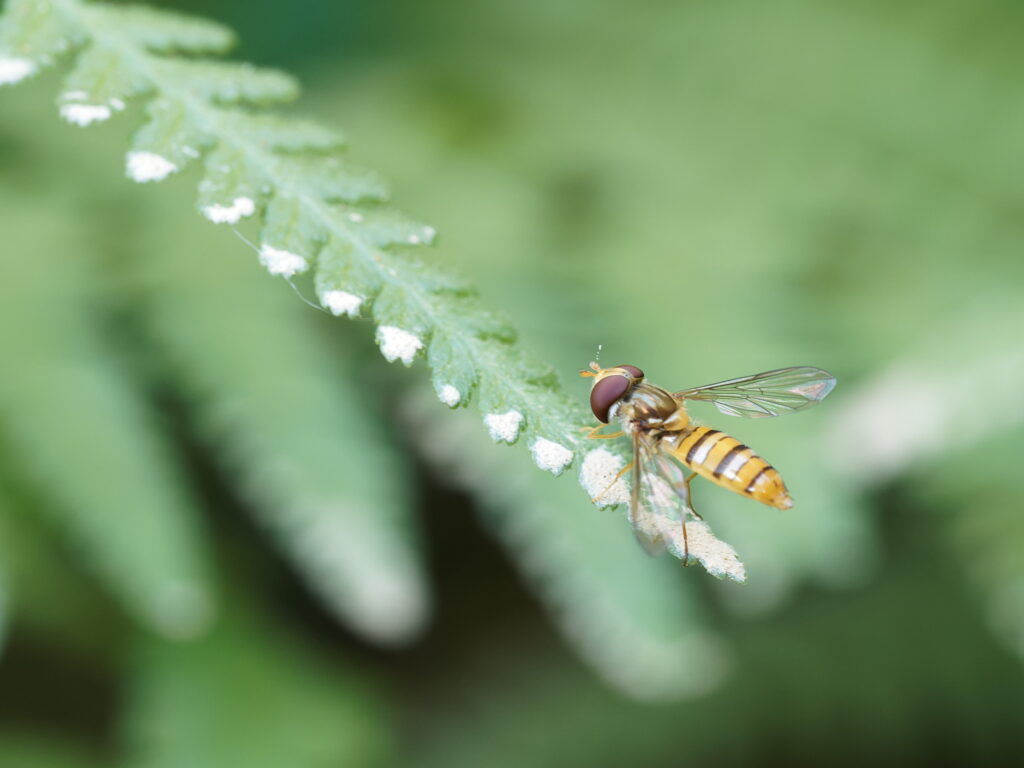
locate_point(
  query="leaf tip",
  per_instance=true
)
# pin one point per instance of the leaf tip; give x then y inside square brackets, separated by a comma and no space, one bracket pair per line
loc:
[148,166]
[398,344]
[281,262]
[85,114]
[229,214]
[14,70]
[504,427]
[599,478]
[341,303]
[449,395]
[718,558]
[550,456]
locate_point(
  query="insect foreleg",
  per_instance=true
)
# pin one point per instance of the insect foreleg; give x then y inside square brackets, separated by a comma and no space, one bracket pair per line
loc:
[592,433]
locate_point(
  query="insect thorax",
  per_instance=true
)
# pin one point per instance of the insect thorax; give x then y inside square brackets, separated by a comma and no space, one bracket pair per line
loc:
[645,406]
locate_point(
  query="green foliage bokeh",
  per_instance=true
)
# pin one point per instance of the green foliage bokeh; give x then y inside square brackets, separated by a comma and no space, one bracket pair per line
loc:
[286,569]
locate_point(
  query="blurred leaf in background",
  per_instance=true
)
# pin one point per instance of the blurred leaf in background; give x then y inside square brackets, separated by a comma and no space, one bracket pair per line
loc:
[230,534]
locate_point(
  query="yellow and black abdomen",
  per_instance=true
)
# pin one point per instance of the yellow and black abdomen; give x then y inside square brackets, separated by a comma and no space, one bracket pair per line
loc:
[727,462]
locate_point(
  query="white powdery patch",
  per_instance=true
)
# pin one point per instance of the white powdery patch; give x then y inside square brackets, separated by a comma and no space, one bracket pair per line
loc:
[449,395]
[281,262]
[550,456]
[15,70]
[342,303]
[597,475]
[398,344]
[229,214]
[717,557]
[85,114]
[148,166]
[504,427]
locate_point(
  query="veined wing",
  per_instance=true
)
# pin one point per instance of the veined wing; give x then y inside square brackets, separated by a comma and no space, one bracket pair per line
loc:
[772,393]
[659,500]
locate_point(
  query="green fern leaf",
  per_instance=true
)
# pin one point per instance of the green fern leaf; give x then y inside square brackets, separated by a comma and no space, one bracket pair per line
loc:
[87,439]
[299,437]
[164,31]
[324,214]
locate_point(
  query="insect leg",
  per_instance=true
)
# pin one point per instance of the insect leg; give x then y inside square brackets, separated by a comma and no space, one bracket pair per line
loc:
[686,546]
[689,495]
[689,502]
[615,479]
[592,433]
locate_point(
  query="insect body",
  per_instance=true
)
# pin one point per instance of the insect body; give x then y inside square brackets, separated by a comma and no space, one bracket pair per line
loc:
[665,440]
[726,461]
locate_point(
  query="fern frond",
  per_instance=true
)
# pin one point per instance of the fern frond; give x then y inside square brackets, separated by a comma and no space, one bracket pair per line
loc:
[296,433]
[87,441]
[320,212]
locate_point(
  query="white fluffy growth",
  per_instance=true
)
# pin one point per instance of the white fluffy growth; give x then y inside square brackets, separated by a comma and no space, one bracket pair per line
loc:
[398,344]
[281,262]
[550,456]
[85,114]
[429,233]
[355,217]
[229,214]
[148,166]
[717,557]
[504,427]
[599,470]
[342,303]
[449,395]
[14,70]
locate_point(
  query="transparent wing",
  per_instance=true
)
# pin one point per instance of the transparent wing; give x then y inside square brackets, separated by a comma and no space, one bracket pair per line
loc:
[659,500]
[663,518]
[772,393]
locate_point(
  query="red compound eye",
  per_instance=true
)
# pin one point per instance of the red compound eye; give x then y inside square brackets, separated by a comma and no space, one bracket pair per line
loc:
[635,372]
[605,393]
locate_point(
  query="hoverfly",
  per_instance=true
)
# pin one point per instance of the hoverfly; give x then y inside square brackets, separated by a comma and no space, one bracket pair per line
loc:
[665,441]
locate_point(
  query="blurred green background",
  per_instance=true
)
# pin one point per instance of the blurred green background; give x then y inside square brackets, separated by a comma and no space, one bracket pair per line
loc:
[231,535]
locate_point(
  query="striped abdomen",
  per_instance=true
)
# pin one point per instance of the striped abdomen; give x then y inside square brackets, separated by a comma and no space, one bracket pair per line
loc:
[729,463]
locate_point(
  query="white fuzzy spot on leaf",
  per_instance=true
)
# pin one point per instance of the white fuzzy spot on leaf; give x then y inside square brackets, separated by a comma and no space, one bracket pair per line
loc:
[599,470]
[398,344]
[449,395]
[355,217]
[281,262]
[229,214]
[85,114]
[718,558]
[504,427]
[342,303]
[550,456]
[15,70]
[148,166]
